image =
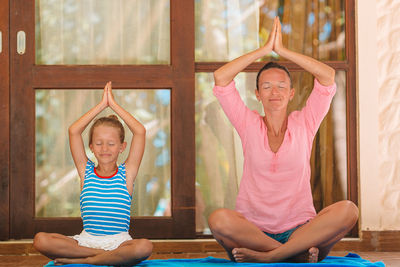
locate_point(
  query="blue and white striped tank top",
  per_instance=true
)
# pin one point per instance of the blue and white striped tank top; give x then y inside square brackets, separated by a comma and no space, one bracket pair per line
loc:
[105,202]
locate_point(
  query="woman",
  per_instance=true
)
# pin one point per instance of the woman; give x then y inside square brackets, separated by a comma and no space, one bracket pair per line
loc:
[275,219]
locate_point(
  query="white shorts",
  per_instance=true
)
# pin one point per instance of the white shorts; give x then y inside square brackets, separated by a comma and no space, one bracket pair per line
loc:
[106,242]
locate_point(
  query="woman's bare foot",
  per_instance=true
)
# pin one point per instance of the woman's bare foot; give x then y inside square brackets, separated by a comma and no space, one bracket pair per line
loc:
[313,255]
[310,256]
[248,255]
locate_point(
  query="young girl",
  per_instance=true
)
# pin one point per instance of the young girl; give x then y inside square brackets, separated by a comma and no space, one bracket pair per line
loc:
[275,219]
[106,192]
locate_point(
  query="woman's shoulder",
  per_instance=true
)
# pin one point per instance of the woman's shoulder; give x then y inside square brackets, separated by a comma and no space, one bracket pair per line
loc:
[254,120]
[294,116]
[296,119]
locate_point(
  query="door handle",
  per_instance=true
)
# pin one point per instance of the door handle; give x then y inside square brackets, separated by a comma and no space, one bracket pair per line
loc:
[21,42]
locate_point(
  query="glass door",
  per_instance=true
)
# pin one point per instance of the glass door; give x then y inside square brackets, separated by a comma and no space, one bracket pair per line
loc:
[65,53]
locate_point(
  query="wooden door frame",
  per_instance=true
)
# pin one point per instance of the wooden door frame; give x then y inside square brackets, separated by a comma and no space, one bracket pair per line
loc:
[178,77]
[351,109]
[4,118]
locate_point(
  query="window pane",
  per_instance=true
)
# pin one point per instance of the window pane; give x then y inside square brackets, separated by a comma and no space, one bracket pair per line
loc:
[219,159]
[228,29]
[102,32]
[57,181]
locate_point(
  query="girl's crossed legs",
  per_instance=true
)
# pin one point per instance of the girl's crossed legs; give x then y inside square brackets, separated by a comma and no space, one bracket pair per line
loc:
[244,242]
[65,250]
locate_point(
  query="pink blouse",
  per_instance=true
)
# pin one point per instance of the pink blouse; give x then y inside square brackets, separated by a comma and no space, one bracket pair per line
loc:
[275,191]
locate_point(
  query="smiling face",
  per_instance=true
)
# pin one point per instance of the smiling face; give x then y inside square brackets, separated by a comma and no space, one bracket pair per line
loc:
[274,90]
[106,144]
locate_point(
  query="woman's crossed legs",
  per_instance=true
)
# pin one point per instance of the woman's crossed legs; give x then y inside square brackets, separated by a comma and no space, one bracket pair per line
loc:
[244,242]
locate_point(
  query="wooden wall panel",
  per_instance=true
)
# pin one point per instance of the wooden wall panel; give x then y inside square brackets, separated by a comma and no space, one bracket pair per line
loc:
[5,121]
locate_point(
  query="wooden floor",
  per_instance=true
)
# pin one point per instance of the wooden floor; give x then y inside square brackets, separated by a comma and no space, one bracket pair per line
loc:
[22,254]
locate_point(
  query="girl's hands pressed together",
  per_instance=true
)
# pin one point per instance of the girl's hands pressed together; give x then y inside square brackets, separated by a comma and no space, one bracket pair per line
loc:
[104,100]
[110,96]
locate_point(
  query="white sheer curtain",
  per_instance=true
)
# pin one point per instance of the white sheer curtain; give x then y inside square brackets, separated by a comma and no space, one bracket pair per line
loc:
[227,36]
[219,159]
[102,32]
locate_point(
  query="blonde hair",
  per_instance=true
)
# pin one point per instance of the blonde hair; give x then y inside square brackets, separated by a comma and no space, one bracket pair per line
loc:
[112,121]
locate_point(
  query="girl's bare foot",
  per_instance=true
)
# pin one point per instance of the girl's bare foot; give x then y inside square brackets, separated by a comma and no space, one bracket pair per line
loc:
[62,261]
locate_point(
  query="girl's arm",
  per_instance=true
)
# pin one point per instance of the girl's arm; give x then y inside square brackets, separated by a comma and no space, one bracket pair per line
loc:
[322,72]
[76,144]
[225,74]
[136,150]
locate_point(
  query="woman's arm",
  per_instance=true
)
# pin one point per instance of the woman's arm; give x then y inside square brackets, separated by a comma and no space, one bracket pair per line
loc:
[322,72]
[225,74]
[136,150]
[76,144]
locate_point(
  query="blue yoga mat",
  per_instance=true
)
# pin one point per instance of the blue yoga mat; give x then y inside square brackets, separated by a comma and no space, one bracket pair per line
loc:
[351,260]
